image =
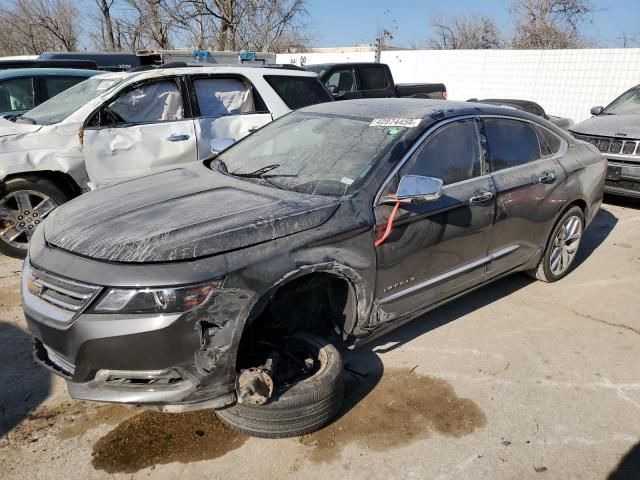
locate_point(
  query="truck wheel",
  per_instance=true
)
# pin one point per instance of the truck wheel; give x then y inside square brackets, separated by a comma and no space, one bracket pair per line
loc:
[24,204]
[298,408]
[562,247]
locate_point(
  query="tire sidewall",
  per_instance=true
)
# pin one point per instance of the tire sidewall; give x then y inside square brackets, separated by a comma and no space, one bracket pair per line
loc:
[546,261]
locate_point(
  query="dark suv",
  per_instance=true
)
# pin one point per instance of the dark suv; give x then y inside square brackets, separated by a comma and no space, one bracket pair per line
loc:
[342,220]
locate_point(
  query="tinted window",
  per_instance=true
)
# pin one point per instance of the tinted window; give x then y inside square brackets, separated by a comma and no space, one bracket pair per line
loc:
[373,78]
[223,96]
[549,142]
[452,154]
[150,102]
[511,143]
[16,94]
[342,81]
[56,85]
[298,92]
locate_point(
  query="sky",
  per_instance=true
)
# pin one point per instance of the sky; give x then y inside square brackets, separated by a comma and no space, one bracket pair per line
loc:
[348,22]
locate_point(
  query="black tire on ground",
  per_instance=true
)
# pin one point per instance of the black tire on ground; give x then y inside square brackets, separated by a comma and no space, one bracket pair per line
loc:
[302,408]
[543,271]
[43,186]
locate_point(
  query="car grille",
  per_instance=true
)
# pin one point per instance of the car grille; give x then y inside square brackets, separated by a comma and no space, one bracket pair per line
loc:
[68,295]
[623,184]
[616,146]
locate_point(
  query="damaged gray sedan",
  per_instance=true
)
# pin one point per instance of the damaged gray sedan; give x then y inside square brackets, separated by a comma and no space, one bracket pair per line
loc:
[227,284]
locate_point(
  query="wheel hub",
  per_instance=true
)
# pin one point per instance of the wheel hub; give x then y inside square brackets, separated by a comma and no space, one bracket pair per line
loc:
[565,245]
[20,213]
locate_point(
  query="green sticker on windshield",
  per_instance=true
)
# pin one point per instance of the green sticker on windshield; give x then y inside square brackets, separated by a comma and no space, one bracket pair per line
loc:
[393,131]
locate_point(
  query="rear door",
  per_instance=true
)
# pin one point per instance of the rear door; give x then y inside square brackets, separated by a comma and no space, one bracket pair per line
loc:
[523,164]
[438,248]
[145,128]
[226,106]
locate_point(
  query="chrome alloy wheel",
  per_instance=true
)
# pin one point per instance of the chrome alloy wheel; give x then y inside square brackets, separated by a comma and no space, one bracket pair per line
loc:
[20,213]
[565,245]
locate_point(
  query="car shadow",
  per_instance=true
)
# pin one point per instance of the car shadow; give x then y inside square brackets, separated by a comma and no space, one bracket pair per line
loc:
[629,466]
[620,201]
[364,367]
[25,385]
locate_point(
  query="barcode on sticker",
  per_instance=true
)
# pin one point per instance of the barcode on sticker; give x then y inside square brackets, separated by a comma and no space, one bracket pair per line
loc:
[395,122]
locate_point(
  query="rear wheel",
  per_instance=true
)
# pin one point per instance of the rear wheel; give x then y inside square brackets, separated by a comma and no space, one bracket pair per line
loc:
[24,204]
[562,248]
[300,407]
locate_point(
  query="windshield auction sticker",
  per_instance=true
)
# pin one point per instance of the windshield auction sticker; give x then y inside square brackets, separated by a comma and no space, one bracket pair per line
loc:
[395,122]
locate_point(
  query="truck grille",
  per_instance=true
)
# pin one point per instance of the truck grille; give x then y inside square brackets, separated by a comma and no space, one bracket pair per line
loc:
[68,295]
[612,145]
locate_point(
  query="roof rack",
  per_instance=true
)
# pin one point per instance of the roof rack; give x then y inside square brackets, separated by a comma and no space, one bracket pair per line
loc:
[279,66]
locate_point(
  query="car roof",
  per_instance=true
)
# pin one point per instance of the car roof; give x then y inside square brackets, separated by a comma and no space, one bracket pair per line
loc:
[46,72]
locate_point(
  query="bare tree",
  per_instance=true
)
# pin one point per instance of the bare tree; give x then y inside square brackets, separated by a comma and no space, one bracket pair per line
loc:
[106,24]
[467,32]
[33,26]
[549,23]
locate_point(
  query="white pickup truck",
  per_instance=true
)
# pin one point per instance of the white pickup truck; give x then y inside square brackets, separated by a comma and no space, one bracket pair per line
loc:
[121,125]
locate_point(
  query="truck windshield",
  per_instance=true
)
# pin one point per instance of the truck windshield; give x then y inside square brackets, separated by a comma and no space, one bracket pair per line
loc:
[626,104]
[311,152]
[58,108]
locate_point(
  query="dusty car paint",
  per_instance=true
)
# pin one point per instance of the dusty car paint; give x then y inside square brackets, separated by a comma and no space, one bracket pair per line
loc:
[272,239]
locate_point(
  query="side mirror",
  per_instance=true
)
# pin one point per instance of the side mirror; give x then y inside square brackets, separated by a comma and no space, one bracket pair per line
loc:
[220,144]
[333,90]
[416,188]
[597,110]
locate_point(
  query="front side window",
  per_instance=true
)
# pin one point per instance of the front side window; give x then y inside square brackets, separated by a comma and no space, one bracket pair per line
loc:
[451,154]
[150,102]
[374,78]
[56,85]
[16,94]
[511,143]
[342,81]
[298,92]
[311,153]
[223,96]
[626,104]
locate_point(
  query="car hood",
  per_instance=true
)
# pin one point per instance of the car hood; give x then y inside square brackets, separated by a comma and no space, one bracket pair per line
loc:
[626,126]
[181,214]
[7,127]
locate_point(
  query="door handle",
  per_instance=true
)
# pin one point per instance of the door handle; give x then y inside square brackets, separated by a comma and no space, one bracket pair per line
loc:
[177,138]
[547,177]
[481,196]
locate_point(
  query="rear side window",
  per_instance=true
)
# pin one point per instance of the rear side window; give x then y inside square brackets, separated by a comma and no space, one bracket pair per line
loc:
[373,78]
[223,96]
[298,92]
[451,154]
[16,94]
[56,85]
[511,143]
[550,143]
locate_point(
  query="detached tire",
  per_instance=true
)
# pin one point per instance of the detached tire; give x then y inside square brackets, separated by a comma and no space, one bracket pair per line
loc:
[562,247]
[298,409]
[24,203]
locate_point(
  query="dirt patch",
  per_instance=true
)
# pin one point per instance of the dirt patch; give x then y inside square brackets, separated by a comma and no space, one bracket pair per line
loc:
[152,438]
[67,420]
[10,297]
[402,408]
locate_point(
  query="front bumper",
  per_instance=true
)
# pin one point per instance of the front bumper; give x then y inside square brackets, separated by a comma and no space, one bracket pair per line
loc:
[154,360]
[628,182]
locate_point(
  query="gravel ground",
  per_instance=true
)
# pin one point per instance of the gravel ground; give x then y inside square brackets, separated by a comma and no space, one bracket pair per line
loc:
[520,379]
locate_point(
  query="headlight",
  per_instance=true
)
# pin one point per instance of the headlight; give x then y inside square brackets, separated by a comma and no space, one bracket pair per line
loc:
[154,300]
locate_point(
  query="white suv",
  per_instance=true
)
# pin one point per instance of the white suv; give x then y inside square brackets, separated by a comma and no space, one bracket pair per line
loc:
[121,125]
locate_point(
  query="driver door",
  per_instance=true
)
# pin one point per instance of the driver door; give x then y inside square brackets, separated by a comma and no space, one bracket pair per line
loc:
[142,130]
[437,248]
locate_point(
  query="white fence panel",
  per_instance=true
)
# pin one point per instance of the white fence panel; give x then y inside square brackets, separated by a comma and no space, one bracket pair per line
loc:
[565,82]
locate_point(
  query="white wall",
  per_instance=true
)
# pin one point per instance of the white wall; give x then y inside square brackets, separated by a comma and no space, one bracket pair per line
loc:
[565,82]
